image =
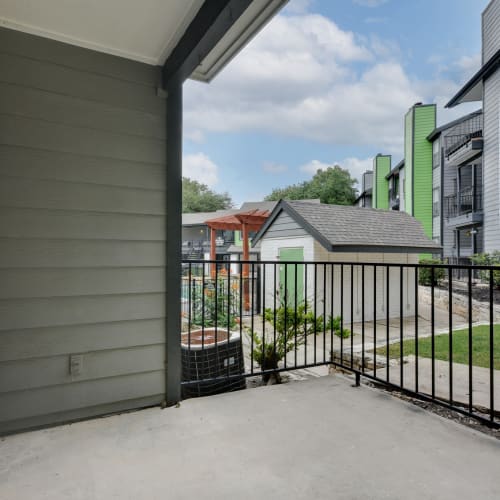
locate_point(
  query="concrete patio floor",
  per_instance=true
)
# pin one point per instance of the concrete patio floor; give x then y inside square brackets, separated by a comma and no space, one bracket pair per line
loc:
[314,439]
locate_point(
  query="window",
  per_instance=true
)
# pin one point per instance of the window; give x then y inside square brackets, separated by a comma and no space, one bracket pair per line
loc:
[435,154]
[435,202]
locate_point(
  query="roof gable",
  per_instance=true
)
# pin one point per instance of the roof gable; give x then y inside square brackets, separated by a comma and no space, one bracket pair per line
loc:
[346,228]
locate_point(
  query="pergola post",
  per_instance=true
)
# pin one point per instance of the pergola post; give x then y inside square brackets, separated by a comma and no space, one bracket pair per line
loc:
[244,222]
[245,271]
[246,249]
[213,254]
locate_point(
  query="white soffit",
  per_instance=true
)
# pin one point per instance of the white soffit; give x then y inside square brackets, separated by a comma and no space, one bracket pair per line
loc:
[474,94]
[141,30]
[243,30]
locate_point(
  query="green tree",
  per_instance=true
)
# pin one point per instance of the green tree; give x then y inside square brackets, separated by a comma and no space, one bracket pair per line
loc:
[334,186]
[198,197]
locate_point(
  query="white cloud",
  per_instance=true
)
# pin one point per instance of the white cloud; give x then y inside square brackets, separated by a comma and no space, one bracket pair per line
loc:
[274,168]
[313,166]
[201,168]
[195,135]
[469,64]
[305,77]
[356,166]
[370,3]
[298,6]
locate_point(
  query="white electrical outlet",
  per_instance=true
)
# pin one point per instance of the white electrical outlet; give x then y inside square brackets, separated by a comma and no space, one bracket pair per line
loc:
[76,364]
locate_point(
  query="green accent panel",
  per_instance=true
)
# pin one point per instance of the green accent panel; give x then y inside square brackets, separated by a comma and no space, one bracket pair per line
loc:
[381,167]
[291,255]
[237,239]
[424,124]
[408,179]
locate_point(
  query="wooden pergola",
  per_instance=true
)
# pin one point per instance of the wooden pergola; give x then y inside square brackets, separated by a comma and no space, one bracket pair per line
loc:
[252,220]
[245,222]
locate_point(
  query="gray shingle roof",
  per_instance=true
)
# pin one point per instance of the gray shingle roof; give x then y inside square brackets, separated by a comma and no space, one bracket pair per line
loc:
[339,227]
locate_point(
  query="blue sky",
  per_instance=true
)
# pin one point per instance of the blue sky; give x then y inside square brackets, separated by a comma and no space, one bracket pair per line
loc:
[327,82]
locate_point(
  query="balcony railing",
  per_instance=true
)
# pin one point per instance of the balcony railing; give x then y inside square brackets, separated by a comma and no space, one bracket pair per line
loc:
[463,203]
[461,148]
[196,248]
[384,322]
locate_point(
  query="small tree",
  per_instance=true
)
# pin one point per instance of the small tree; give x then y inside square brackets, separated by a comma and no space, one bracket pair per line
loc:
[215,306]
[291,329]
[198,197]
[488,259]
[333,185]
[425,273]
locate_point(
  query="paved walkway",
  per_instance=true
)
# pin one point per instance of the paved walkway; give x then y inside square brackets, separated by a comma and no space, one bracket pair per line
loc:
[315,439]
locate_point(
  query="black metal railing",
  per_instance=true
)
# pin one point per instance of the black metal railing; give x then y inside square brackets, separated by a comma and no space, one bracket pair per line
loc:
[389,323]
[464,202]
[455,142]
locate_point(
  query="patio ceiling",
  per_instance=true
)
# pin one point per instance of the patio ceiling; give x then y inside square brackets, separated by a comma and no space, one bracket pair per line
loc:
[145,31]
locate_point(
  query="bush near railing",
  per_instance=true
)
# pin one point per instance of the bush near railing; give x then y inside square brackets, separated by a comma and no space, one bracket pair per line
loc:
[291,326]
[425,273]
[488,259]
[216,305]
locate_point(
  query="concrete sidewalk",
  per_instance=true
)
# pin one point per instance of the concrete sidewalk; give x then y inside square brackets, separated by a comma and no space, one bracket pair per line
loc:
[315,439]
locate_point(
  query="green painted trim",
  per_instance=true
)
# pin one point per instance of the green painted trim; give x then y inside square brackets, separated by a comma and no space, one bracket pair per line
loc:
[381,169]
[425,121]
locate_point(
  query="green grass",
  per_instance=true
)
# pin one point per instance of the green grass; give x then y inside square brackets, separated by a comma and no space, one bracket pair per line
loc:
[460,338]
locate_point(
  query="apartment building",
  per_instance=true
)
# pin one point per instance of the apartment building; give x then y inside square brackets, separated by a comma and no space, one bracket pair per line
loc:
[484,87]
[457,187]
[364,200]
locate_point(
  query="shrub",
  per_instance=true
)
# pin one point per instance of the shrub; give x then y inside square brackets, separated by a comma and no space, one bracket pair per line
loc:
[210,309]
[425,273]
[335,325]
[292,327]
[488,259]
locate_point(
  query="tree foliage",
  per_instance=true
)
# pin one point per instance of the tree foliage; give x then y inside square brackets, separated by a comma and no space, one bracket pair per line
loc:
[198,197]
[334,186]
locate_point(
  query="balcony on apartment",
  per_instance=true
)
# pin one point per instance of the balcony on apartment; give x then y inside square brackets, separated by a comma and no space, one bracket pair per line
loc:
[465,207]
[463,147]
[197,248]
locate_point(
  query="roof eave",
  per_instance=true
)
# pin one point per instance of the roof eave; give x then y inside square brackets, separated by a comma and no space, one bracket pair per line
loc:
[385,248]
[482,74]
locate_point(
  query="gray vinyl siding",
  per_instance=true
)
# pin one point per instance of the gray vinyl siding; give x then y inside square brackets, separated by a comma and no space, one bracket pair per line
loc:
[491,162]
[491,33]
[436,183]
[82,232]
[285,227]
[450,174]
